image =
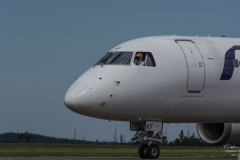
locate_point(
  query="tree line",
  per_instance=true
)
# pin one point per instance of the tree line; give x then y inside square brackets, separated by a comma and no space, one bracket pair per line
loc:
[183,140]
[137,139]
[27,137]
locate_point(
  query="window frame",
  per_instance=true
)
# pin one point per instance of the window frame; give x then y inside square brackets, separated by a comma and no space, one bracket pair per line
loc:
[145,56]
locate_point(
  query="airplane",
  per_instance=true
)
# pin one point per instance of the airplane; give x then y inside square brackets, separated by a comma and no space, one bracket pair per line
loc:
[183,79]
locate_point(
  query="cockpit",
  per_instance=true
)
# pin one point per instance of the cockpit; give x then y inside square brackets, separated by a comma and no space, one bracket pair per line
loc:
[125,58]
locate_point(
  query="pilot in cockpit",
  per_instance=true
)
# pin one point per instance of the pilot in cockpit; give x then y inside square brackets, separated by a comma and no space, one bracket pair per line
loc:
[138,60]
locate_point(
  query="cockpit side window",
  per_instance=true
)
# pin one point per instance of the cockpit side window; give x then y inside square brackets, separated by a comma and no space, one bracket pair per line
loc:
[144,59]
[123,58]
[150,60]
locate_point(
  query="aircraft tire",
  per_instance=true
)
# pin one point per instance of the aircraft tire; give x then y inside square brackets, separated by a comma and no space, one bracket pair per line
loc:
[142,151]
[153,151]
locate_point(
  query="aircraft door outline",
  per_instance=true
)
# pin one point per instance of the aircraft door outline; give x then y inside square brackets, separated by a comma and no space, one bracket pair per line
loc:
[195,66]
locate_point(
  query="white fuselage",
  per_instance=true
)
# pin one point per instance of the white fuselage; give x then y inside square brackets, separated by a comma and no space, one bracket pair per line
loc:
[182,87]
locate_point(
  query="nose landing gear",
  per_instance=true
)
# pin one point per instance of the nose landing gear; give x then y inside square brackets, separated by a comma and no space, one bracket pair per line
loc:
[149,150]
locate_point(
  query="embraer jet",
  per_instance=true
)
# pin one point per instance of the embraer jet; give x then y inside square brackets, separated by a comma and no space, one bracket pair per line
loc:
[165,79]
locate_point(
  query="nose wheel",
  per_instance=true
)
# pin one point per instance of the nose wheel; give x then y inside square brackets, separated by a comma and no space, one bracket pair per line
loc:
[149,151]
[142,152]
[153,151]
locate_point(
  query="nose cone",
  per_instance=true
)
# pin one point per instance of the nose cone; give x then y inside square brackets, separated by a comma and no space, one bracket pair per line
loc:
[78,97]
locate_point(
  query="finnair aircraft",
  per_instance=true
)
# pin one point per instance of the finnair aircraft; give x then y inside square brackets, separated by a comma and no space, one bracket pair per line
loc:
[165,79]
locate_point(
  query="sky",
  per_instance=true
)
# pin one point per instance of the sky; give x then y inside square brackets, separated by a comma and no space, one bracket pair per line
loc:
[45,45]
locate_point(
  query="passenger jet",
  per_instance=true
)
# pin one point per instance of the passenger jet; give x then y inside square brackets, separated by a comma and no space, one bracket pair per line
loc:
[165,79]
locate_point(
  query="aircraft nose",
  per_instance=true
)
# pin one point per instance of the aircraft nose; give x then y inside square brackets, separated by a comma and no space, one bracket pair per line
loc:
[78,96]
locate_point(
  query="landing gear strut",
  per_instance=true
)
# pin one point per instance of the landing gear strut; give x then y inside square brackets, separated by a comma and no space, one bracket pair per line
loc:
[149,150]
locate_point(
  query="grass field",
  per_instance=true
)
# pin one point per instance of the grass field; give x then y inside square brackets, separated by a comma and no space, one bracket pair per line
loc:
[90,150]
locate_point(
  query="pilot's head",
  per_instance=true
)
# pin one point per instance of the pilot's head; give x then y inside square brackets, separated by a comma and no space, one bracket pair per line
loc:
[139,56]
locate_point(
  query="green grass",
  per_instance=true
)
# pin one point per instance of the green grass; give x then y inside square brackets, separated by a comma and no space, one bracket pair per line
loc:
[92,150]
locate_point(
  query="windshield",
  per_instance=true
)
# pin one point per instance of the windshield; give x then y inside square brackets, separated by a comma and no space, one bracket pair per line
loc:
[116,58]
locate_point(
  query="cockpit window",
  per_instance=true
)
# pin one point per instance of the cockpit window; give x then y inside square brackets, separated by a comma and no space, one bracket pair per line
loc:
[116,58]
[104,58]
[144,59]
[150,60]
